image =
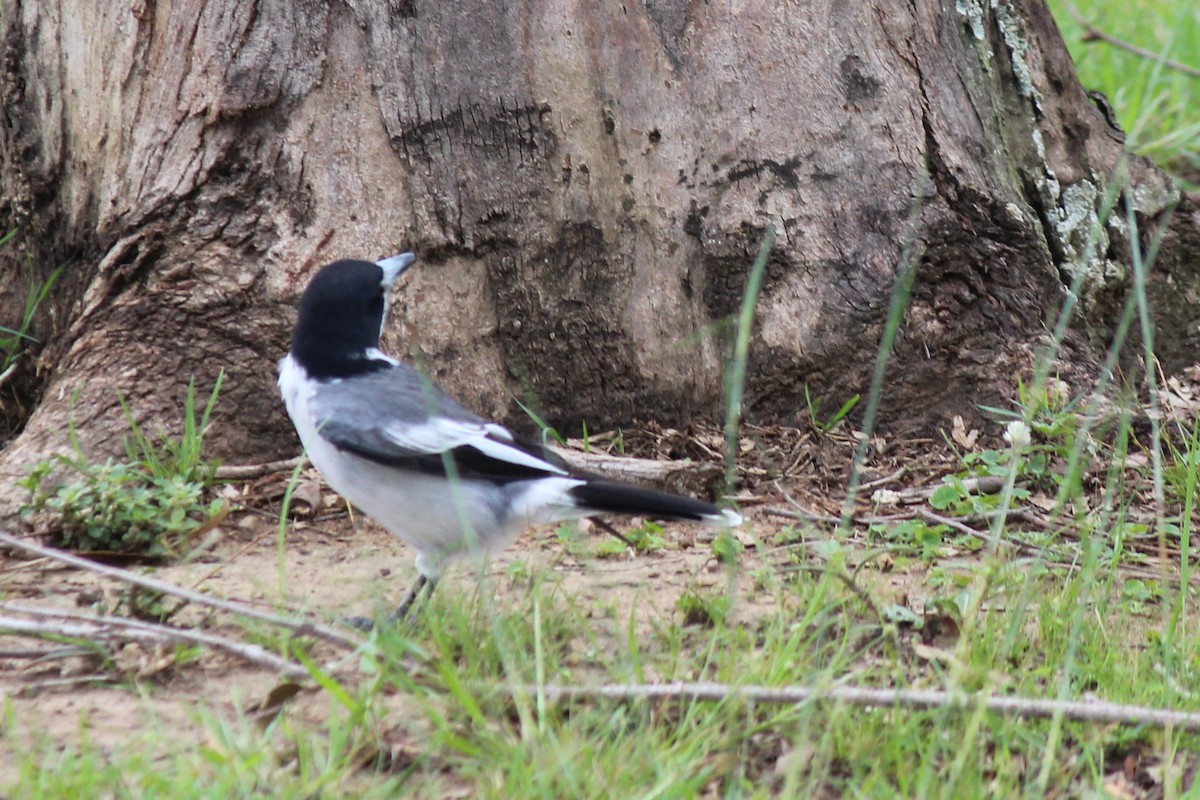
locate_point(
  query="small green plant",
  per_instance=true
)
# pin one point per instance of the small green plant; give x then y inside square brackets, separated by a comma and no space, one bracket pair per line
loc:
[1048,409]
[788,535]
[141,603]
[1181,470]
[959,498]
[918,534]
[1049,422]
[1058,446]
[519,572]
[166,457]
[152,504]
[704,609]
[1137,594]
[118,507]
[645,538]
[609,547]
[726,547]
[813,405]
[548,433]
[14,341]
[572,540]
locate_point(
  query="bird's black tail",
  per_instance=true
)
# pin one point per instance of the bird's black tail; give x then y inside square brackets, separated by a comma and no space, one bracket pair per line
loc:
[618,498]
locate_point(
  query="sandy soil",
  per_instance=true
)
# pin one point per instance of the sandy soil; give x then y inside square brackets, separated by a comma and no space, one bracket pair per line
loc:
[329,570]
[339,566]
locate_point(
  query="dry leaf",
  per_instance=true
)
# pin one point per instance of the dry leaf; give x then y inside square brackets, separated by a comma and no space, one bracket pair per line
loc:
[961,436]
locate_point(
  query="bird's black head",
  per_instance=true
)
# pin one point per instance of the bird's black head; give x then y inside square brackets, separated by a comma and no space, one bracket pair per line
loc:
[341,315]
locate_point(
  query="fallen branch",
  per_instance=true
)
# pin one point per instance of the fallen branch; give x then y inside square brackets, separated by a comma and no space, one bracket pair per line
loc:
[691,477]
[884,481]
[245,472]
[979,485]
[961,527]
[694,478]
[1091,33]
[42,654]
[31,689]
[1080,711]
[801,515]
[68,625]
[301,627]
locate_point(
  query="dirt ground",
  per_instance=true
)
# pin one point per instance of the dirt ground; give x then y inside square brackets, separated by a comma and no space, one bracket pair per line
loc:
[336,566]
[330,570]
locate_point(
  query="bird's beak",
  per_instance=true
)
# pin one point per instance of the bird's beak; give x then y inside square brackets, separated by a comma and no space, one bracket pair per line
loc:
[393,267]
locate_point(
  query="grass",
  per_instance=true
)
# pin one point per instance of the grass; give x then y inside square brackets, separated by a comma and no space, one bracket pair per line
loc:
[155,502]
[740,355]
[1092,602]
[436,715]
[1157,105]
[456,704]
[163,456]
[15,341]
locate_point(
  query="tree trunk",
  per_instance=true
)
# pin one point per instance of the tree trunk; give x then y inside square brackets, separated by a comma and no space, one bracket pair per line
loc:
[586,185]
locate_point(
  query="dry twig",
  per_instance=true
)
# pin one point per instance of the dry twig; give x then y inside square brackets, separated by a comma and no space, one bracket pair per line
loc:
[36,654]
[72,625]
[696,478]
[37,687]
[803,516]
[299,627]
[1091,34]
[1081,711]
[245,472]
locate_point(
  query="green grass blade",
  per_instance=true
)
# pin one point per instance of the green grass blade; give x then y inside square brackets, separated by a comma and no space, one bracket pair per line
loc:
[736,378]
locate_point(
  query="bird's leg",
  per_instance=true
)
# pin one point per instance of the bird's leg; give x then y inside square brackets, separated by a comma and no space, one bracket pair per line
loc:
[402,611]
[366,624]
[610,529]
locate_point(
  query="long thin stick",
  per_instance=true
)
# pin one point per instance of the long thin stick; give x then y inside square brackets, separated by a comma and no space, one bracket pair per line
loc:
[242,472]
[105,628]
[42,653]
[1090,711]
[302,627]
[31,689]
[1092,33]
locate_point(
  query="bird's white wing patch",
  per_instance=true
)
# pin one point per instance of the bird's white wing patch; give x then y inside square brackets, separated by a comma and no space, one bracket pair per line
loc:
[506,452]
[499,431]
[439,435]
[435,435]
[375,354]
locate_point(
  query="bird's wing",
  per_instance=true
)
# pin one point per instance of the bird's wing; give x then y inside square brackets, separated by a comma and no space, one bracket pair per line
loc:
[397,417]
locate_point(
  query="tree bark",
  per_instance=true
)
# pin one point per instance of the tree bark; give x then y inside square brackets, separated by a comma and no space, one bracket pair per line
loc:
[586,185]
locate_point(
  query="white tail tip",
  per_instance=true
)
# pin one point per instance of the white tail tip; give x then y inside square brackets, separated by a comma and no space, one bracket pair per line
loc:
[729,518]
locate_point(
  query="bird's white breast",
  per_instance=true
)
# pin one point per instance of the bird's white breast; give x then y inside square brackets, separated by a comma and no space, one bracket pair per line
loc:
[426,511]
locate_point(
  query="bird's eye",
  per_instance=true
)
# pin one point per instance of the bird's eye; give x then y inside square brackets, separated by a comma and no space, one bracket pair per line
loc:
[376,305]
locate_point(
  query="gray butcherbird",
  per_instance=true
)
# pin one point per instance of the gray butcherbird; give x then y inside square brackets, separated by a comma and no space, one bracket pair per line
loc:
[442,479]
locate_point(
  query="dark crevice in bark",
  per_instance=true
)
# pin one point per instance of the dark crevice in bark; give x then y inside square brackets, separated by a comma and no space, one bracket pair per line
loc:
[1033,197]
